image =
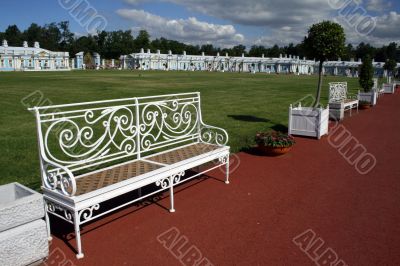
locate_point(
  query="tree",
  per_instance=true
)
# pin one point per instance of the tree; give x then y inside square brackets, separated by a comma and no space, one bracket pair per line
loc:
[349,53]
[13,36]
[257,51]
[238,50]
[274,51]
[33,34]
[51,37]
[325,40]
[366,74]
[208,49]
[365,49]
[390,66]
[142,40]
[391,51]
[67,37]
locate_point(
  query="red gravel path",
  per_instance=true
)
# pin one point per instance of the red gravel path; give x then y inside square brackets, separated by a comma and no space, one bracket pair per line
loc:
[270,201]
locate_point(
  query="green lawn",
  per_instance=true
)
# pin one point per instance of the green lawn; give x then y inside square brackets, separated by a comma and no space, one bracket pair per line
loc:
[240,103]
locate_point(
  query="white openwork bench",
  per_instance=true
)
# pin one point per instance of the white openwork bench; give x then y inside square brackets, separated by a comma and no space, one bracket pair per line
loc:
[95,151]
[340,100]
[380,91]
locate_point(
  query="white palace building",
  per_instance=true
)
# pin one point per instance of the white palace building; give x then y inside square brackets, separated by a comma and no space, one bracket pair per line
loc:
[283,64]
[38,59]
[31,58]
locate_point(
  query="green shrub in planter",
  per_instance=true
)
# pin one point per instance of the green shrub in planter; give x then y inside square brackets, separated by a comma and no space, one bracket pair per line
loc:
[366,74]
[367,83]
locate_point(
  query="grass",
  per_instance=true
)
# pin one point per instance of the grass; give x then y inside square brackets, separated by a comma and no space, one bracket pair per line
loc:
[240,103]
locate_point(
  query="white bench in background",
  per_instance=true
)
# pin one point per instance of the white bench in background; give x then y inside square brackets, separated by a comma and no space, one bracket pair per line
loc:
[379,91]
[339,100]
[95,151]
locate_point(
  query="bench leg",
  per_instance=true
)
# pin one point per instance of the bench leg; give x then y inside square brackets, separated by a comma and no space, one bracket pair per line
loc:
[171,193]
[227,170]
[78,235]
[47,219]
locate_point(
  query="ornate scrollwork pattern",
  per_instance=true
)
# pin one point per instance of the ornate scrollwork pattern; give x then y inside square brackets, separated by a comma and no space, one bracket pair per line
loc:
[167,121]
[337,91]
[57,177]
[87,213]
[166,182]
[59,211]
[87,136]
[213,135]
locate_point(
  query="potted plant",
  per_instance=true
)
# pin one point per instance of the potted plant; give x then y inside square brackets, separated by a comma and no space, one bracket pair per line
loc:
[368,96]
[325,40]
[390,67]
[274,143]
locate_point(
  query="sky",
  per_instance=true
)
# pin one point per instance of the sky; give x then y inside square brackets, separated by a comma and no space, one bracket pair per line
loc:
[223,23]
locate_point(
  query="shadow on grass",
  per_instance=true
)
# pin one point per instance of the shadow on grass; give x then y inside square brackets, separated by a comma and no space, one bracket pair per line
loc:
[280,127]
[249,118]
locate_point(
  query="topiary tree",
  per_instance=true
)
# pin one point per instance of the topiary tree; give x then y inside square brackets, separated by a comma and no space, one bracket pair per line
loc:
[366,74]
[325,40]
[390,66]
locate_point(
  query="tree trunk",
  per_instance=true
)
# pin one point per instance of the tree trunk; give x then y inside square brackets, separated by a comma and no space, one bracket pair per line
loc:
[318,95]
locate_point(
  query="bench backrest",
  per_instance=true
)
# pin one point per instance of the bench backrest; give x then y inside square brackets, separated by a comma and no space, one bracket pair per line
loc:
[84,136]
[337,91]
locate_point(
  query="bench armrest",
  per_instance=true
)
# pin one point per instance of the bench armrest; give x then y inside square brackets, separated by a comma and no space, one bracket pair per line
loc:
[58,178]
[213,135]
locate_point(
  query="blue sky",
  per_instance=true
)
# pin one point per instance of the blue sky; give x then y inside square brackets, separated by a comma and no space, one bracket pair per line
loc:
[221,22]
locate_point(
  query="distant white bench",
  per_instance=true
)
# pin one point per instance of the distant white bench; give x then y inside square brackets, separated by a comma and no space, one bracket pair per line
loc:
[338,94]
[95,151]
[379,91]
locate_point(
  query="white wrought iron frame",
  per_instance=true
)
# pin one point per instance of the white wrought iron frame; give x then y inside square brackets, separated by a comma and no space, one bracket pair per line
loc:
[338,93]
[147,126]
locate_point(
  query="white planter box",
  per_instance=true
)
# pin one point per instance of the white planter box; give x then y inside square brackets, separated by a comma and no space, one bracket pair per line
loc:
[389,87]
[19,205]
[23,233]
[370,97]
[24,245]
[308,121]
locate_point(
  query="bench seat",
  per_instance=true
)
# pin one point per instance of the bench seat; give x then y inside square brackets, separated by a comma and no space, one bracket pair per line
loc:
[134,170]
[350,103]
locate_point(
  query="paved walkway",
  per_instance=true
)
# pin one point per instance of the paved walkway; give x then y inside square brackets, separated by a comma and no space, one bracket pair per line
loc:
[269,202]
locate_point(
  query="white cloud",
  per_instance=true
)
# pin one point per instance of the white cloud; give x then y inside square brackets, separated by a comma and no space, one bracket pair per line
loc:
[135,2]
[187,30]
[378,5]
[386,29]
[285,20]
[267,13]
